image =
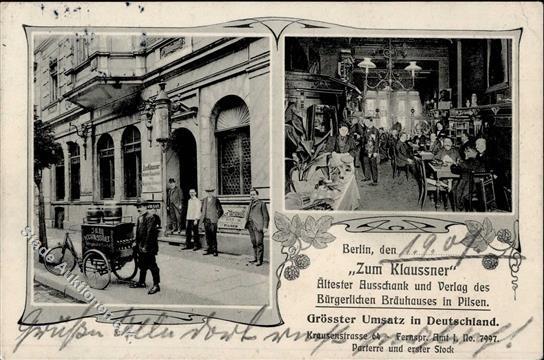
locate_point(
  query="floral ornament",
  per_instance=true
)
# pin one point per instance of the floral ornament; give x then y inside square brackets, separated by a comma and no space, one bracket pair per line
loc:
[481,237]
[490,261]
[27,232]
[296,236]
[505,236]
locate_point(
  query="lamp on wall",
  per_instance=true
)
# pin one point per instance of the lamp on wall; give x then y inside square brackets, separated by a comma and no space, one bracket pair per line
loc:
[162,107]
[83,133]
[147,119]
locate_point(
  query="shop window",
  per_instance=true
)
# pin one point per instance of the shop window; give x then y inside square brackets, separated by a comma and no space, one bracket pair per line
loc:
[132,162]
[53,81]
[75,171]
[234,146]
[106,166]
[59,180]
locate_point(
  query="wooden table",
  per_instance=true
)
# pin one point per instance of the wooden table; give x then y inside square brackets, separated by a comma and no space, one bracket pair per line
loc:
[425,155]
[441,172]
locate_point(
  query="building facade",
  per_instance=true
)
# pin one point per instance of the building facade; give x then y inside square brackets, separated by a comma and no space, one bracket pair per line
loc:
[132,111]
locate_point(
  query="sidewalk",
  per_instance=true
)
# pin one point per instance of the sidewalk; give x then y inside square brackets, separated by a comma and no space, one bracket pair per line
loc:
[187,278]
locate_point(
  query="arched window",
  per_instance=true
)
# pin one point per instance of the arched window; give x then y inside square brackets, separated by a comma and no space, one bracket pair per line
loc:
[132,162]
[106,166]
[233,146]
[75,168]
[59,180]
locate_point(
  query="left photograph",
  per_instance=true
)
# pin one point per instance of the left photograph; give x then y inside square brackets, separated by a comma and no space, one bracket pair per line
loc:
[151,169]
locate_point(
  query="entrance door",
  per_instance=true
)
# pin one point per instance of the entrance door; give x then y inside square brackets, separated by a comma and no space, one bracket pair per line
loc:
[185,147]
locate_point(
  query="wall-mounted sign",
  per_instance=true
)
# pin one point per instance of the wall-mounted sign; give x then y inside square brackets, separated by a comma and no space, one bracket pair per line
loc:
[151,177]
[153,206]
[233,217]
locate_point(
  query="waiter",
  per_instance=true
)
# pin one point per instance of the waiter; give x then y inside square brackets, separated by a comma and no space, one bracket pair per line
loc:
[211,212]
[256,221]
[147,247]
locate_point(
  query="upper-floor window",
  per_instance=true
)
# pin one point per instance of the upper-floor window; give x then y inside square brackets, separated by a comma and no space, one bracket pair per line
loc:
[53,80]
[81,49]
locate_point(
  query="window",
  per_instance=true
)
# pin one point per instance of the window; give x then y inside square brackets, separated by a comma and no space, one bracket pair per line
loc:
[106,167]
[234,146]
[81,50]
[132,162]
[75,168]
[53,81]
[59,180]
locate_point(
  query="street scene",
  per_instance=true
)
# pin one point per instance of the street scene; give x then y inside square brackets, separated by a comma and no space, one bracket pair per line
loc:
[190,279]
[150,170]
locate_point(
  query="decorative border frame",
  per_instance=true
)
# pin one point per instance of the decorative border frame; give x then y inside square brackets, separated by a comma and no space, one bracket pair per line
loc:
[294,235]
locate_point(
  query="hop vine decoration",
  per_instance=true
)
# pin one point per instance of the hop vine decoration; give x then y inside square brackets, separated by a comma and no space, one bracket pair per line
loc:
[296,237]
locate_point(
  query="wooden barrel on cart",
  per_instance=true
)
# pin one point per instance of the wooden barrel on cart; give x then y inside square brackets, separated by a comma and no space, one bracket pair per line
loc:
[112,213]
[94,215]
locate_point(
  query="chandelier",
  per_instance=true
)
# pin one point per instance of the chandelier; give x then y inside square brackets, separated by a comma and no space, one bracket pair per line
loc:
[389,79]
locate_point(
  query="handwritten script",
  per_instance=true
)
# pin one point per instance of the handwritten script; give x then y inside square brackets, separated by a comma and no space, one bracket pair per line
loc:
[212,329]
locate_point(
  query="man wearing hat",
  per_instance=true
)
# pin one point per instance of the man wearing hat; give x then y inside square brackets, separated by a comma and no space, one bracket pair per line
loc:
[210,214]
[174,205]
[147,246]
[256,220]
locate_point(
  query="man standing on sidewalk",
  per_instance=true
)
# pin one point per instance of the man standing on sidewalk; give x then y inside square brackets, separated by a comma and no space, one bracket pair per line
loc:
[211,212]
[147,247]
[256,221]
[193,216]
[174,205]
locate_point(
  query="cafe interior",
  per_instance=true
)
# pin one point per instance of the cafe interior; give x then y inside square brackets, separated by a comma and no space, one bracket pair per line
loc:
[398,124]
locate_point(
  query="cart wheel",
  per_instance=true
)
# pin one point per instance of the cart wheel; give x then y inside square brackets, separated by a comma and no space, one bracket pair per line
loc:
[96,269]
[126,271]
[59,255]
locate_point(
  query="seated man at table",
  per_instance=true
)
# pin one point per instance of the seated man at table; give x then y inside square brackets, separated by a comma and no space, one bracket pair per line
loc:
[465,167]
[342,143]
[405,156]
[481,147]
[448,155]
[465,141]
[436,144]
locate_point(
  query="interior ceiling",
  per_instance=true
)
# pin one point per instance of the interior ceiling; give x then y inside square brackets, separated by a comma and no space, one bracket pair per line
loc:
[366,41]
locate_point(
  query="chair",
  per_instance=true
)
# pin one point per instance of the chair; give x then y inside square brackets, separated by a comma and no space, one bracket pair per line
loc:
[482,191]
[429,185]
[396,168]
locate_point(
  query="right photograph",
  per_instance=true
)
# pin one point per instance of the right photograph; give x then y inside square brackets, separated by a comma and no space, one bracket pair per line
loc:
[398,124]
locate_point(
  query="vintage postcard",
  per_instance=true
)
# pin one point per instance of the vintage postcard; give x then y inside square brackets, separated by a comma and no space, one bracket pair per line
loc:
[271,180]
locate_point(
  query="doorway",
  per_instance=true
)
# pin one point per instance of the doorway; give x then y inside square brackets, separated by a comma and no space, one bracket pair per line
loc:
[184,146]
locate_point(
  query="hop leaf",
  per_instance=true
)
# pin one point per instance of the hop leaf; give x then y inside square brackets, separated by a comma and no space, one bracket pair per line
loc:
[479,235]
[291,272]
[314,233]
[286,233]
[296,225]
